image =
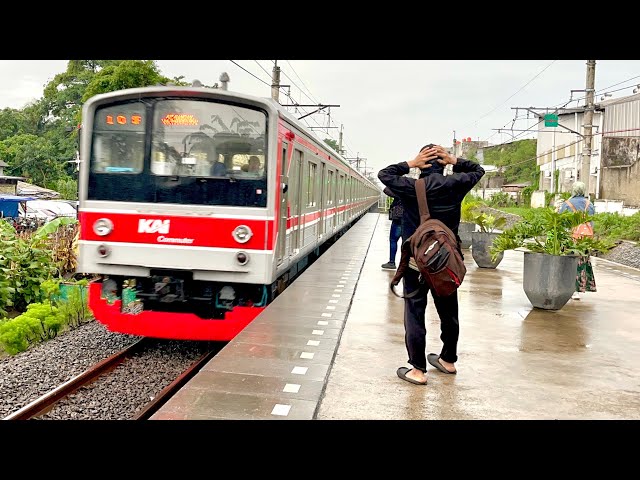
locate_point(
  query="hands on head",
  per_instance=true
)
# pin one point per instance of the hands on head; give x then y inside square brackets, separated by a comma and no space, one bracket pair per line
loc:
[426,156]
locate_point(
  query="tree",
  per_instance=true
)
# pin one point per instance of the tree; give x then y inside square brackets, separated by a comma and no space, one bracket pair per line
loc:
[127,74]
[333,144]
[33,157]
[517,160]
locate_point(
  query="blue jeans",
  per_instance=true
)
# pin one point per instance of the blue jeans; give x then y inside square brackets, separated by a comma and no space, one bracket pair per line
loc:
[394,235]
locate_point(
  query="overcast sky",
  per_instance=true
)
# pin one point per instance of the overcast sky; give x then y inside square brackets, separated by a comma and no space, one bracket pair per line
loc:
[389,108]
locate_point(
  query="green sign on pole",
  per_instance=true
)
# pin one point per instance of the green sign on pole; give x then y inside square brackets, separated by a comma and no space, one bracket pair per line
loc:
[551,120]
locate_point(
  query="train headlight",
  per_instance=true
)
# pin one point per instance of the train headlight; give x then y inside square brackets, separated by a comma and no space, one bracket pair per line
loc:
[102,227]
[242,258]
[242,234]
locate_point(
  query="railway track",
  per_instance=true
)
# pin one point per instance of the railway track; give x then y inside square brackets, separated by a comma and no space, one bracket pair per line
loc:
[48,401]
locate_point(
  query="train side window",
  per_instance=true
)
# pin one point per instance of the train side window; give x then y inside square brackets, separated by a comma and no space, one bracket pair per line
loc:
[311,184]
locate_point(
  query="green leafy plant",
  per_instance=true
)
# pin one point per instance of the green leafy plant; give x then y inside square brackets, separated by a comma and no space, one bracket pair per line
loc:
[549,232]
[28,259]
[468,206]
[489,223]
[40,322]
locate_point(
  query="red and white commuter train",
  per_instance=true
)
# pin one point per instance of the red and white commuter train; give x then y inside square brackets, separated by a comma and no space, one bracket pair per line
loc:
[197,206]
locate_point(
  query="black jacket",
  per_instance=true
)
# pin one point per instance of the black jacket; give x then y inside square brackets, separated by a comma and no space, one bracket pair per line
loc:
[444,194]
[396,202]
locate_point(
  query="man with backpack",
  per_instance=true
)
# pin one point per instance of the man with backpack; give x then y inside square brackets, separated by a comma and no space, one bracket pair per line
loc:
[396,211]
[444,194]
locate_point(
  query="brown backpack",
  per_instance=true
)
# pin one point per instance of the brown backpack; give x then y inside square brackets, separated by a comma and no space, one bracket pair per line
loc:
[433,251]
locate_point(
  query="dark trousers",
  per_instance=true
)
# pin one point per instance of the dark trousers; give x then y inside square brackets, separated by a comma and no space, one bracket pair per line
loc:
[394,235]
[414,322]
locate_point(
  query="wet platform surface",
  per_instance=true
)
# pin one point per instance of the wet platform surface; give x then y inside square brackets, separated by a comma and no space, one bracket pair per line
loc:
[329,346]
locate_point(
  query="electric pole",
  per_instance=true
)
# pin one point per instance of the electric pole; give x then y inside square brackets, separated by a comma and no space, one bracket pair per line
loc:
[585,161]
[275,82]
[340,141]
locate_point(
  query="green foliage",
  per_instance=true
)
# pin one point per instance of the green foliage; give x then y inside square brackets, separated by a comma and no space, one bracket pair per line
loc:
[61,310]
[467,207]
[616,226]
[26,261]
[74,307]
[37,158]
[489,223]
[40,322]
[501,199]
[67,188]
[526,194]
[547,231]
[520,211]
[126,74]
[332,143]
[517,160]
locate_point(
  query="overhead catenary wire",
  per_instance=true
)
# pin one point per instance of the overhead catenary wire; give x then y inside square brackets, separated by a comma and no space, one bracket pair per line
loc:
[513,95]
[561,105]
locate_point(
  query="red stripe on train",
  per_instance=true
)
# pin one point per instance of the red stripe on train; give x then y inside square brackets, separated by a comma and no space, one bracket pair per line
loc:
[176,230]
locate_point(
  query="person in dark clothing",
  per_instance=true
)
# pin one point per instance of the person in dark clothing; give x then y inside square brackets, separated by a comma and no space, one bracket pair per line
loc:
[396,211]
[444,197]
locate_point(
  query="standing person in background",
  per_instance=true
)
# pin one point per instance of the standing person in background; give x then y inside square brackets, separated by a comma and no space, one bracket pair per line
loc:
[579,202]
[444,198]
[396,210]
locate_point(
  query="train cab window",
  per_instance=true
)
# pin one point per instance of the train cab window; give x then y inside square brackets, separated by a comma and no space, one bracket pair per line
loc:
[118,139]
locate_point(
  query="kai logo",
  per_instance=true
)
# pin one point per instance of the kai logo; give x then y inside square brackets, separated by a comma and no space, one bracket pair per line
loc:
[153,226]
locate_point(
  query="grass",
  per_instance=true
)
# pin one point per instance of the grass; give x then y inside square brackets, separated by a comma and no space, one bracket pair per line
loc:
[514,210]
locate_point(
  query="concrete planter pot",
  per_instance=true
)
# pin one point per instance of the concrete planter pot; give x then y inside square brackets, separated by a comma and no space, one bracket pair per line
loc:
[549,280]
[480,245]
[465,229]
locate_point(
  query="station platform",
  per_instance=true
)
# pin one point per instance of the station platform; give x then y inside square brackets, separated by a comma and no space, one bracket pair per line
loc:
[329,346]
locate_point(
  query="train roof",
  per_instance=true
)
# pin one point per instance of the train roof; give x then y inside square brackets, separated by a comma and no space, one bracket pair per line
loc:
[219,93]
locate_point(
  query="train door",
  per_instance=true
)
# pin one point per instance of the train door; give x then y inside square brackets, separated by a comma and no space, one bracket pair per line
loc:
[282,183]
[321,203]
[341,199]
[329,207]
[296,198]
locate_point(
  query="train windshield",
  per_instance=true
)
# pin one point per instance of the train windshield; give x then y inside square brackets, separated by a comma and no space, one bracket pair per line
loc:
[182,151]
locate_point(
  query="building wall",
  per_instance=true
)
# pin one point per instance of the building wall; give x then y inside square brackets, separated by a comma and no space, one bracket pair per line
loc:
[8,187]
[620,176]
[620,168]
[463,148]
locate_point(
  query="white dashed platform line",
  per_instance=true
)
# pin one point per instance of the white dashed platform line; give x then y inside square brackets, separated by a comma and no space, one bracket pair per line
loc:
[307,355]
[313,343]
[281,410]
[291,388]
[299,370]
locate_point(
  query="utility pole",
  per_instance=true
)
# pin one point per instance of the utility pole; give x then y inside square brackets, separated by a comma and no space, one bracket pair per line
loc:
[340,141]
[357,159]
[275,82]
[585,166]
[454,142]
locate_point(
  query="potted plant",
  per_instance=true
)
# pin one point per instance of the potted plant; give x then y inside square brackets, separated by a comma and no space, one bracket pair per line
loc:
[481,241]
[467,224]
[551,254]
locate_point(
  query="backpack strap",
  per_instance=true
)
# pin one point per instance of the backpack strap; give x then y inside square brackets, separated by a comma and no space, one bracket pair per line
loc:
[571,205]
[586,206]
[421,194]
